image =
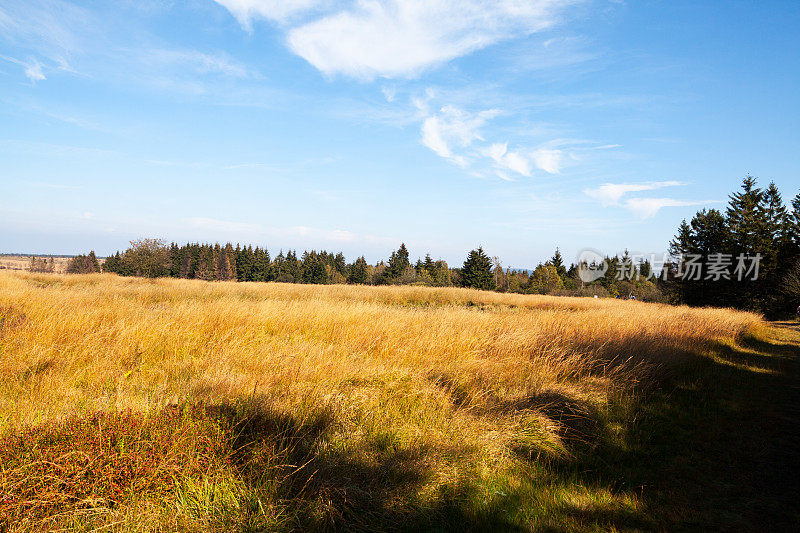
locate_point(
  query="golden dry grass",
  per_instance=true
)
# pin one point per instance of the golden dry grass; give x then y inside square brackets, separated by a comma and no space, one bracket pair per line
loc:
[463,383]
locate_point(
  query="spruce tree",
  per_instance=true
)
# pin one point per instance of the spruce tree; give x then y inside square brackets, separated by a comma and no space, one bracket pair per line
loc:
[358,271]
[681,244]
[398,262]
[429,264]
[230,253]
[186,265]
[745,210]
[558,262]
[94,264]
[477,271]
[793,222]
[339,264]
[175,262]
[224,271]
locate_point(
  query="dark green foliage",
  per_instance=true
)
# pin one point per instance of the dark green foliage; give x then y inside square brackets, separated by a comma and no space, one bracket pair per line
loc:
[313,268]
[216,262]
[756,222]
[558,262]
[477,271]
[358,271]
[398,263]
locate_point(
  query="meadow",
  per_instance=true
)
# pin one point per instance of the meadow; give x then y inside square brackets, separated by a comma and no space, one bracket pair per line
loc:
[134,404]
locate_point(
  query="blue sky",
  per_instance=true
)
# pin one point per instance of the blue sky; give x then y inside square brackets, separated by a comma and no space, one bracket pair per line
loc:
[353,126]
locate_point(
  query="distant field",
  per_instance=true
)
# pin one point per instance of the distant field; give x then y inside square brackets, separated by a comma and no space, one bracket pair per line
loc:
[136,404]
[23,262]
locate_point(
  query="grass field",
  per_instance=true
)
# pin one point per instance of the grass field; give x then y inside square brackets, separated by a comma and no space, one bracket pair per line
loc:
[148,405]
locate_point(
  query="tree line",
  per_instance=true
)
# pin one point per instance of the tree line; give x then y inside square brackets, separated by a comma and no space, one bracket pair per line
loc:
[757,235]
[216,262]
[746,257]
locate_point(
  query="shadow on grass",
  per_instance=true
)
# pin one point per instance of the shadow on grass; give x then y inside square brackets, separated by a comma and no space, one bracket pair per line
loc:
[576,419]
[326,488]
[715,448]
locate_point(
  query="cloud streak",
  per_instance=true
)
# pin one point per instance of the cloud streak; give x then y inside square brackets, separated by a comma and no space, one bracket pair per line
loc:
[612,193]
[274,10]
[33,69]
[646,208]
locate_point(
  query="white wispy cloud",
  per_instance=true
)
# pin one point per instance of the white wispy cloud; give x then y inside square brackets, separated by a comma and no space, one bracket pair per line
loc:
[390,93]
[454,134]
[366,39]
[612,193]
[648,207]
[510,160]
[61,37]
[34,72]
[33,69]
[401,38]
[193,60]
[52,28]
[548,159]
[452,128]
[275,10]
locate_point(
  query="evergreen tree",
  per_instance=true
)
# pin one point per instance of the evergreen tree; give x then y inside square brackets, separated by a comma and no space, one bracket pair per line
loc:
[681,244]
[205,266]
[224,270]
[744,215]
[314,270]
[358,271]
[793,222]
[293,267]
[112,263]
[186,264]
[398,262]
[230,253]
[428,264]
[175,260]
[558,262]
[477,271]
[339,263]
[645,269]
[93,262]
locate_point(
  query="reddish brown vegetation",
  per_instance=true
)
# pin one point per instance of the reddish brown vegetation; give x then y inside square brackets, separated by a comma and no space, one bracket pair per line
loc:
[102,460]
